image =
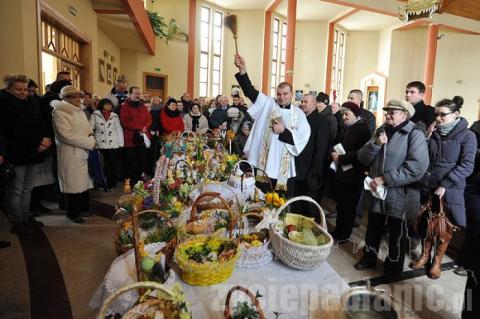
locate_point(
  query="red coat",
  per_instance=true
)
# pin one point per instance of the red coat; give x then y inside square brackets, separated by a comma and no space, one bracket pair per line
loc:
[171,124]
[134,119]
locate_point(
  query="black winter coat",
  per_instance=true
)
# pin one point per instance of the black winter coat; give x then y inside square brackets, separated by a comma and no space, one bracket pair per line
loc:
[332,123]
[352,139]
[21,129]
[369,119]
[452,159]
[470,255]
[423,113]
[46,111]
[310,163]
[217,118]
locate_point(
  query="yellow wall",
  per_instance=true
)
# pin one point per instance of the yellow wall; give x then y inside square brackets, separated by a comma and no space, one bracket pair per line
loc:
[172,59]
[105,43]
[457,71]
[250,46]
[407,61]
[18,38]
[361,59]
[310,55]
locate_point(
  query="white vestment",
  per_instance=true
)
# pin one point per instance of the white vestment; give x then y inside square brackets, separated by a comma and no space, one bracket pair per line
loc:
[263,111]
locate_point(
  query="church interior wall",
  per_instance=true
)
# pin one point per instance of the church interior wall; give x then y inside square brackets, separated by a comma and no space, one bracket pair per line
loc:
[250,45]
[361,58]
[407,60]
[456,71]
[311,38]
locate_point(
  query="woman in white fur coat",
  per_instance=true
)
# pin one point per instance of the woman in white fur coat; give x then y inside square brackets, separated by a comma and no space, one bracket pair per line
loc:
[73,137]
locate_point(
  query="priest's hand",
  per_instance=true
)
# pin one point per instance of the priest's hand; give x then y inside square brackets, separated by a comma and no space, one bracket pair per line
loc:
[334,157]
[240,64]
[277,126]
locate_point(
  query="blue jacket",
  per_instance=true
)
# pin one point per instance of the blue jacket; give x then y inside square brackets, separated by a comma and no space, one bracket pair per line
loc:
[452,158]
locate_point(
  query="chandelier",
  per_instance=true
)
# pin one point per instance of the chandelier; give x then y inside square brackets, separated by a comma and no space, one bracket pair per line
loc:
[418,9]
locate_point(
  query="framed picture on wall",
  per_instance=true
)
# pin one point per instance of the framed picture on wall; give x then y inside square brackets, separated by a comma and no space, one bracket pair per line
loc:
[109,73]
[372,98]
[101,70]
[115,74]
[298,95]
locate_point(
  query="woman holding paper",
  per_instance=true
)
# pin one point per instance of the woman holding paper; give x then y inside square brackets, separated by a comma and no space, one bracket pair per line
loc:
[348,178]
[398,157]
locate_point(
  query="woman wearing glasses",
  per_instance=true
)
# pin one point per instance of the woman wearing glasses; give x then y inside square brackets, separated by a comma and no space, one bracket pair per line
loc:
[398,157]
[452,148]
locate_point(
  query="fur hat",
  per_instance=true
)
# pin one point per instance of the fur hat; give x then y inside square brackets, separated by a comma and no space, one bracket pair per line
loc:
[400,105]
[352,107]
[70,90]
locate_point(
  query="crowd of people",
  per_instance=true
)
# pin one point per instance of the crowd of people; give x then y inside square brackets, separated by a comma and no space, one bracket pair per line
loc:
[315,149]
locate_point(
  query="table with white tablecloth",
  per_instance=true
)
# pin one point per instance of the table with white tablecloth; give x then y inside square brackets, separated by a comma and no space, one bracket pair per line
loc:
[284,290]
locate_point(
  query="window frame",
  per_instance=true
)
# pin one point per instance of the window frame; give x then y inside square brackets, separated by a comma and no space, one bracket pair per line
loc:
[279,53]
[211,54]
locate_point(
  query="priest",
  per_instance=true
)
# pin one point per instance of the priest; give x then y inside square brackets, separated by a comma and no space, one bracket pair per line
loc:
[279,133]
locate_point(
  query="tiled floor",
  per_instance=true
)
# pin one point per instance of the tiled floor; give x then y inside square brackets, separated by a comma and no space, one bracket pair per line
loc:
[84,253]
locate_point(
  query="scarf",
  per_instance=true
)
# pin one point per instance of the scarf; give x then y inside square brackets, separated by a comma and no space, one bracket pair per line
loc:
[444,129]
[106,114]
[171,113]
[195,121]
[390,130]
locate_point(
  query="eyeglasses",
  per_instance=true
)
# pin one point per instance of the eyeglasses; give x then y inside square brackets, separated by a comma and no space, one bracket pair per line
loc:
[392,112]
[441,114]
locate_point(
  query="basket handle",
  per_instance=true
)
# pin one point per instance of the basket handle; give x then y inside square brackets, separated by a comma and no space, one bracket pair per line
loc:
[308,199]
[224,203]
[241,219]
[188,134]
[136,235]
[176,166]
[142,285]
[227,312]
[266,175]
[244,161]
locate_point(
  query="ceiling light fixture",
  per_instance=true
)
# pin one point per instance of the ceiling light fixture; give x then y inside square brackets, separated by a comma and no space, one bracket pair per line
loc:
[418,9]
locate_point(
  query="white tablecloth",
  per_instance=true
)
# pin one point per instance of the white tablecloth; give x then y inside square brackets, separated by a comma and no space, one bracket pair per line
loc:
[284,290]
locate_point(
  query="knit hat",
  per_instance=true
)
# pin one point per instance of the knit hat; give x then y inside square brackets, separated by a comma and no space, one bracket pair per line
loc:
[70,90]
[352,107]
[324,98]
[400,105]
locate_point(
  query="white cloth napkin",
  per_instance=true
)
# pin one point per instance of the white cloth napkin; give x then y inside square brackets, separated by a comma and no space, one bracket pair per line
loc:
[381,192]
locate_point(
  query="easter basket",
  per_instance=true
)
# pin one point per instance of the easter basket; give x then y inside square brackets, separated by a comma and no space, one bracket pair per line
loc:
[206,260]
[168,303]
[229,314]
[295,255]
[210,214]
[254,251]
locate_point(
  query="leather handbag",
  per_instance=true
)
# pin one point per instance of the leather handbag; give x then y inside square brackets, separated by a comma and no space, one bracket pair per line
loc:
[433,222]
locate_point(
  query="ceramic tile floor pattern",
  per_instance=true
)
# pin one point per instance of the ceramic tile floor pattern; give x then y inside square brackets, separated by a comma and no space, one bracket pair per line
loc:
[84,253]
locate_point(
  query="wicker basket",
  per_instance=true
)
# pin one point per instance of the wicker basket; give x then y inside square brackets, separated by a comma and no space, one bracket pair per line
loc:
[120,248]
[200,205]
[203,274]
[167,250]
[254,256]
[303,257]
[235,198]
[228,313]
[141,308]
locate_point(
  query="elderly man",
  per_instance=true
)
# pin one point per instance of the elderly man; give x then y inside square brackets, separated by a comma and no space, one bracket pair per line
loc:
[118,95]
[280,131]
[219,117]
[398,157]
[310,163]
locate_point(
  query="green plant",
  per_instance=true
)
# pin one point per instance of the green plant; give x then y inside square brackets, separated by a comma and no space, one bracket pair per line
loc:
[166,31]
